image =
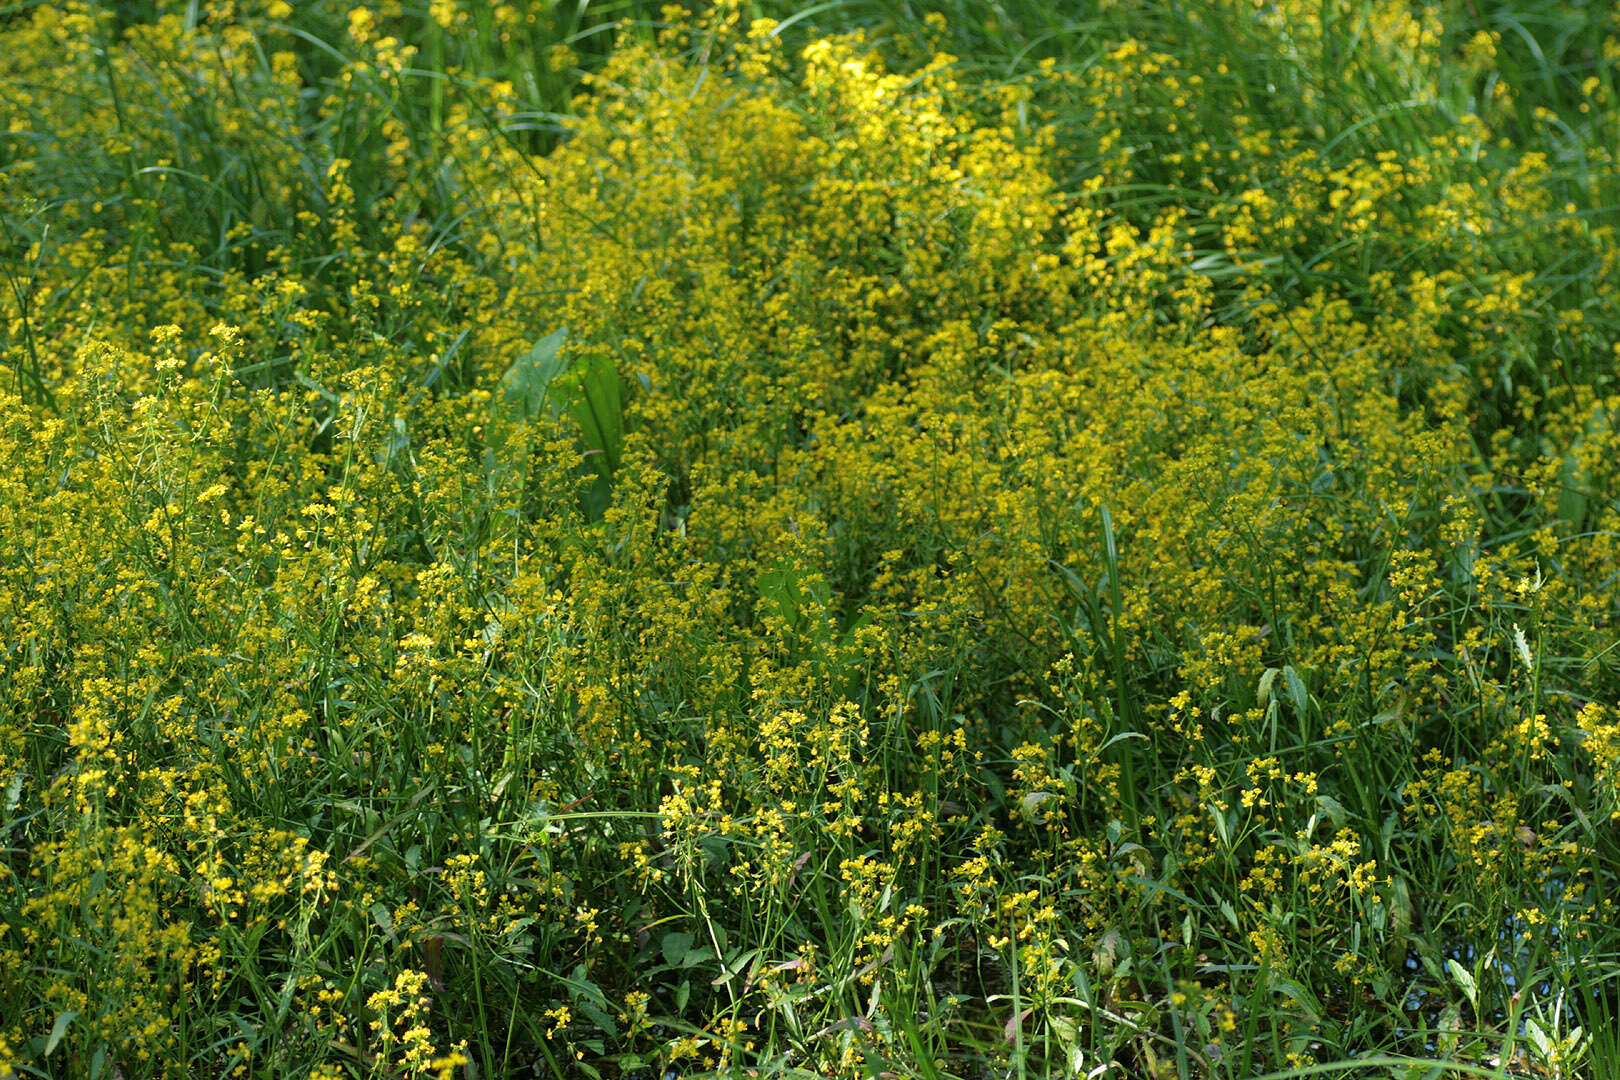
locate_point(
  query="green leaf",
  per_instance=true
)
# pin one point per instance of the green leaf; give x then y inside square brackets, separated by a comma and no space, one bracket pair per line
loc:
[1263,695]
[1297,694]
[58,1029]
[396,445]
[788,590]
[1334,809]
[1544,1045]
[12,801]
[1574,479]
[675,946]
[598,1016]
[1450,1026]
[1031,803]
[862,621]
[586,389]
[525,386]
[590,393]
[1465,980]
[523,397]
[1106,952]
[598,497]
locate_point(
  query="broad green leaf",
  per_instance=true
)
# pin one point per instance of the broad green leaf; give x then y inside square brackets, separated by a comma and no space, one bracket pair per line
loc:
[1031,803]
[589,392]
[526,383]
[675,946]
[522,399]
[598,497]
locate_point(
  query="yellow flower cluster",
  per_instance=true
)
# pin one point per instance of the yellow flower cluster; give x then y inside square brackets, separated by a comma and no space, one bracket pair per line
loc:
[810,559]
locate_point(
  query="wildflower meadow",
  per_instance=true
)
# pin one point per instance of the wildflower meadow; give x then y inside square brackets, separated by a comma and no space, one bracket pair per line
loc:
[983,540]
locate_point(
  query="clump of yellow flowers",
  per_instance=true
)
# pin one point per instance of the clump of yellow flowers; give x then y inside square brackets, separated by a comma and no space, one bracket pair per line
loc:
[721,543]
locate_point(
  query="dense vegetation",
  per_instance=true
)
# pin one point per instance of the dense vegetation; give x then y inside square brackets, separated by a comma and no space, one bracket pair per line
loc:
[969,540]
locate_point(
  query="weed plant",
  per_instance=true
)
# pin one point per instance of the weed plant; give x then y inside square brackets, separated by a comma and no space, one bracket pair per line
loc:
[987,539]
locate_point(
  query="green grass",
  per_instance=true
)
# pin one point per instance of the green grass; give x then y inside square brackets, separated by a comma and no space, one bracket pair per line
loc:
[977,539]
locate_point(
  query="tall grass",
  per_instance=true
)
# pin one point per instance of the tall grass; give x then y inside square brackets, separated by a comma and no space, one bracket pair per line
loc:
[871,539]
